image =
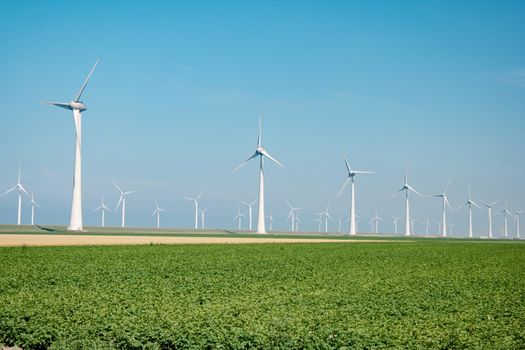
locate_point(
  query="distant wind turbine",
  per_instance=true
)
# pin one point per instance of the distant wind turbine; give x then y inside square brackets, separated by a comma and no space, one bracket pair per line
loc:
[157,213]
[196,202]
[350,178]
[122,200]
[239,217]
[427,226]
[375,221]
[443,195]
[35,204]
[469,205]
[77,106]
[407,188]
[203,211]
[396,218]
[326,216]
[21,190]
[250,205]
[103,208]
[297,222]
[270,221]
[292,214]
[320,223]
[489,207]
[506,214]
[517,214]
[261,153]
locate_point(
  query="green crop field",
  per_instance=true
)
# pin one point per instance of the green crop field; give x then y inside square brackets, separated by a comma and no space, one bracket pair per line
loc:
[427,294]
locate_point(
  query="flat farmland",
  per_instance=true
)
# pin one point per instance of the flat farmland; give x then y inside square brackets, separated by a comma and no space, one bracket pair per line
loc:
[425,294]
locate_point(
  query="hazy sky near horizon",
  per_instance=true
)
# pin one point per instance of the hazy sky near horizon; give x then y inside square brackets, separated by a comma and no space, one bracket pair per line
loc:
[437,87]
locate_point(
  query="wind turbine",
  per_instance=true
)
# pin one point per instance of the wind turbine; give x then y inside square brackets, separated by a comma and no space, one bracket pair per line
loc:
[21,190]
[469,204]
[77,106]
[250,205]
[102,207]
[375,221]
[489,207]
[202,217]
[407,188]
[339,224]
[157,212]
[506,214]
[320,223]
[326,216]
[443,195]
[35,204]
[427,226]
[350,178]
[196,202]
[297,222]
[292,214]
[122,200]
[412,221]
[270,221]
[261,153]
[239,217]
[517,214]
[396,218]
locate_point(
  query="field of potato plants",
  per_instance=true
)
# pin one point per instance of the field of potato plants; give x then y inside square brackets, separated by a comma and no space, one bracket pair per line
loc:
[426,294]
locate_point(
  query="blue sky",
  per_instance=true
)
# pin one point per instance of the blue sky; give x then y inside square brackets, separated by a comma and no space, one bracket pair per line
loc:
[437,87]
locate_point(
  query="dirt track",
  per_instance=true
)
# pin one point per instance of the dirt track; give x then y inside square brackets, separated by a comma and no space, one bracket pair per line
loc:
[66,240]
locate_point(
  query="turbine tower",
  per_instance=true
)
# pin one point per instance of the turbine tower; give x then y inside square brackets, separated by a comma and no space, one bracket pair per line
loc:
[489,207]
[350,178]
[444,214]
[202,217]
[517,214]
[157,212]
[21,190]
[196,202]
[239,217]
[102,207]
[35,204]
[407,188]
[469,205]
[326,216]
[506,214]
[77,106]
[261,153]
[123,201]
[250,205]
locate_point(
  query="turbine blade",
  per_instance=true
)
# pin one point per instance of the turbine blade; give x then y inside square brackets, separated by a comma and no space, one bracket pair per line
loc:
[343,187]
[58,104]
[9,190]
[118,188]
[95,210]
[129,192]
[476,204]
[259,136]
[413,190]
[86,81]
[363,172]
[119,201]
[347,165]
[446,187]
[394,194]
[244,163]
[266,154]
[24,190]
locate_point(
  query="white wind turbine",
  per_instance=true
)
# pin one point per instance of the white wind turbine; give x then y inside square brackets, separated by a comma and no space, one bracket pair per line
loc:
[443,195]
[326,216]
[196,202]
[469,205]
[396,218]
[239,217]
[103,208]
[77,106]
[203,211]
[407,188]
[157,213]
[412,221]
[506,214]
[297,222]
[21,190]
[350,178]
[35,204]
[517,214]
[427,226]
[489,208]
[250,205]
[122,200]
[292,214]
[339,224]
[270,221]
[261,153]
[320,223]
[375,222]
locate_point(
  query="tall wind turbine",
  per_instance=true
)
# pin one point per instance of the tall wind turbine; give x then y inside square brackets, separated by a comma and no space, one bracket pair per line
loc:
[250,205]
[350,178]
[196,202]
[326,216]
[21,190]
[203,211]
[489,207]
[443,195]
[122,200]
[103,208]
[517,214]
[77,106]
[407,188]
[396,218]
[469,205]
[292,214]
[35,204]
[239,217]
[261,153]
[375,221]
[157,212]
[506,214]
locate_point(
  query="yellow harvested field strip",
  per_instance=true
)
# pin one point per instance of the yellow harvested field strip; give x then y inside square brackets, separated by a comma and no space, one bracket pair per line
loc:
[69,240]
